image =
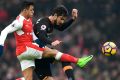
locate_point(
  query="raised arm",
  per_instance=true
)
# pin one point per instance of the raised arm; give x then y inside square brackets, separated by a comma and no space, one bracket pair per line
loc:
[69,22]
[14,26]
[64,25]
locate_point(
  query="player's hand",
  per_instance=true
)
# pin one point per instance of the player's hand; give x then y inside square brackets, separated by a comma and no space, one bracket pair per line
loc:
[56,42]
[74,14]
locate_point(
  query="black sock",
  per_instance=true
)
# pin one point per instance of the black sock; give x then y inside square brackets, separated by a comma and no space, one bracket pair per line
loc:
[68,70]
[69,74]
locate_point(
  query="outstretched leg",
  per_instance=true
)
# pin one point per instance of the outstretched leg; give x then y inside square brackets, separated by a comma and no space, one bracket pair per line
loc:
[81,62]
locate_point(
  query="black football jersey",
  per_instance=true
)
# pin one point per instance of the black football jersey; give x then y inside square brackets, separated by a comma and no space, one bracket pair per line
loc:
[43,27]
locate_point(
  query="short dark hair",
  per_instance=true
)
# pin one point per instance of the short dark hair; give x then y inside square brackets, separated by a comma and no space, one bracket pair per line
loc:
[60,10]
[26,4]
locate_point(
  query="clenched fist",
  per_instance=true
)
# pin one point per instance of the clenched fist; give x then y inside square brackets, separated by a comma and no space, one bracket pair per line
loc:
[74,14]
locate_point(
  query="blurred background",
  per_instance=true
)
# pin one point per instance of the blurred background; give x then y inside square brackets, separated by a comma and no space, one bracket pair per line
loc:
[98,22]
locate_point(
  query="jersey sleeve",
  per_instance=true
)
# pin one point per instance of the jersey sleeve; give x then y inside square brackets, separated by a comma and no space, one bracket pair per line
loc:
[40,30]
[14,26]
[64,25]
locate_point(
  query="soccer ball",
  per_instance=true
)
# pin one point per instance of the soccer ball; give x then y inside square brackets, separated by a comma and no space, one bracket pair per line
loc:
[109,48]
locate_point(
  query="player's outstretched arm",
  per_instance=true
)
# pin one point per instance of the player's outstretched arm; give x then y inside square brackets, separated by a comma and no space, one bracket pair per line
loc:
[14,26]
[67,24]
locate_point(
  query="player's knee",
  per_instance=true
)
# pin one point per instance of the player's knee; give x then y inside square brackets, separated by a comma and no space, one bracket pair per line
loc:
[28,73]
[28,77]
[48,78]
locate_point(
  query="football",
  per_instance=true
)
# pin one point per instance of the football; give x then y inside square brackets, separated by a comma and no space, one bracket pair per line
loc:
[109,48]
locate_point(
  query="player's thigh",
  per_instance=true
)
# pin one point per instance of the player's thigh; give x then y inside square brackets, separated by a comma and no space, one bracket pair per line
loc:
[28,73]
[25,64]
[30,54]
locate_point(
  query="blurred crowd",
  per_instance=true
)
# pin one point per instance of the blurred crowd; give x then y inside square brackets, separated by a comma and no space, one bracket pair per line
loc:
[98,22]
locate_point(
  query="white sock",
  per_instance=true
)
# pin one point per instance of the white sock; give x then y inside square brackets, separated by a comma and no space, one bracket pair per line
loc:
[58,55]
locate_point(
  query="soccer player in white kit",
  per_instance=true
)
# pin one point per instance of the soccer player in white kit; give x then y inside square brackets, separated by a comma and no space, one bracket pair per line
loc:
[26,50]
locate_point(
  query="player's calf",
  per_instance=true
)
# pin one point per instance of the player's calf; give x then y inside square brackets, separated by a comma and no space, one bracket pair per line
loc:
[49,52]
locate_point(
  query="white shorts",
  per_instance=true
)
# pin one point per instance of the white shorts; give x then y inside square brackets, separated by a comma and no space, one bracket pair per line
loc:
[28,57]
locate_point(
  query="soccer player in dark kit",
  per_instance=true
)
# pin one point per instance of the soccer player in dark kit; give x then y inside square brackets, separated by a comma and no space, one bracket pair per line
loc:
[43,27]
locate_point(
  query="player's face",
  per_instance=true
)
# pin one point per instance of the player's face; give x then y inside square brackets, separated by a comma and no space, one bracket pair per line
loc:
[60,20]
[30,11]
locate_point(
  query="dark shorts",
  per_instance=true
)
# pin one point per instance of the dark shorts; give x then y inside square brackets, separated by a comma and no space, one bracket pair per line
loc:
[43,67]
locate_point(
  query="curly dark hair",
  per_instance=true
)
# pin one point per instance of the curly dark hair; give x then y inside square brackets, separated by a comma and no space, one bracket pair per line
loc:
[26,4]
[60,11]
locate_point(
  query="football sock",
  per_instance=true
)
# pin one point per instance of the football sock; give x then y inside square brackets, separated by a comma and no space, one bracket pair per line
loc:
[68,69]
[68,58]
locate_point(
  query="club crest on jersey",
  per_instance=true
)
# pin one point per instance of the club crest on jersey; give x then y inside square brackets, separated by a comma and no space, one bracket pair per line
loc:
[43,27]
